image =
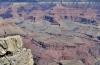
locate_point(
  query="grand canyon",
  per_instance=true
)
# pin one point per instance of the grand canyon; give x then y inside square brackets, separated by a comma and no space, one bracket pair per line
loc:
[58,33]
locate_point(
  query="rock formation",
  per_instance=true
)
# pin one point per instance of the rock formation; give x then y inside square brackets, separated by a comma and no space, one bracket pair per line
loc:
[12,53]
[66,34]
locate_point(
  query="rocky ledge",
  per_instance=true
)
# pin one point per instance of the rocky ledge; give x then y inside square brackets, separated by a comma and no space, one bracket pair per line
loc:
[12,53]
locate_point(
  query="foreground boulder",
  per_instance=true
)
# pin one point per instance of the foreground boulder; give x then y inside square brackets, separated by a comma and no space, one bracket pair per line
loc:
[12,53]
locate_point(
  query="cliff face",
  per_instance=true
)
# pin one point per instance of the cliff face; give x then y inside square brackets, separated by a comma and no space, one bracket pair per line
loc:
[12,53]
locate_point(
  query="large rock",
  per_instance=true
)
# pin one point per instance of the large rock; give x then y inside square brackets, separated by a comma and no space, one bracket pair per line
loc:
[12,53]
[11,43]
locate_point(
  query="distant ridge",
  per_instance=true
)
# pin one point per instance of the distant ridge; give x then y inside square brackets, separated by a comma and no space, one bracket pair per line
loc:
[49,0]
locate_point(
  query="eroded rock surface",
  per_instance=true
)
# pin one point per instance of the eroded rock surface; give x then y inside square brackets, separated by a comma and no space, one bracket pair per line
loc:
[12,53]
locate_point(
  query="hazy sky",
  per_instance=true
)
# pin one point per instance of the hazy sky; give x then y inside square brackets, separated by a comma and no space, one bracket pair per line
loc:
[52,0]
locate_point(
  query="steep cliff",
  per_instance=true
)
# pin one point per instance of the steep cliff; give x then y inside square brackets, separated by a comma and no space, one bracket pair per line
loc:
[12,53]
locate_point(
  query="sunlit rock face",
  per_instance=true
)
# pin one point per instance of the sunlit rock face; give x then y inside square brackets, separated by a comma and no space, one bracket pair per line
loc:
[12,53]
